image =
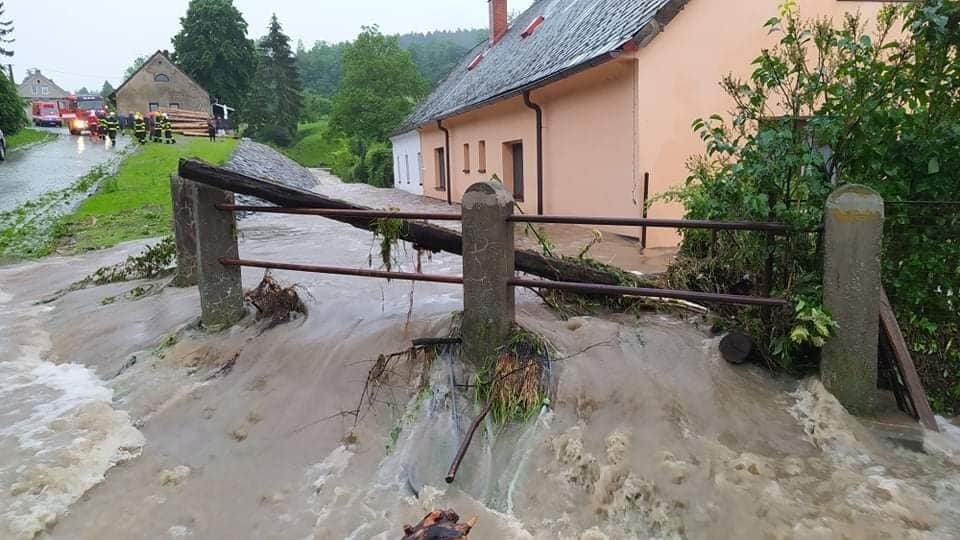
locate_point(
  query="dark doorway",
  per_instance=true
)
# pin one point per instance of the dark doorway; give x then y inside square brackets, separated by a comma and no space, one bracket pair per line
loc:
[516,149]
[441,162]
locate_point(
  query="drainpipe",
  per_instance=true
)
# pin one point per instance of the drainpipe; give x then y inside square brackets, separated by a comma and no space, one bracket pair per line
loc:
[446,157]
[536,108]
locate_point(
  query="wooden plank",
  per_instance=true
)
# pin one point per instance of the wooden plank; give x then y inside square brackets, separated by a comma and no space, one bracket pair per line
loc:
[419,233]
[904,362]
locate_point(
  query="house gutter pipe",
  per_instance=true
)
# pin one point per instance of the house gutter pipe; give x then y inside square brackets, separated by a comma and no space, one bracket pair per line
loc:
[539,111]
[446,158]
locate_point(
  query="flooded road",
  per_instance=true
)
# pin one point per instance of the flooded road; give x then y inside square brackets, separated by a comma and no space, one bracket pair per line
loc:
[152,428]
[31,172]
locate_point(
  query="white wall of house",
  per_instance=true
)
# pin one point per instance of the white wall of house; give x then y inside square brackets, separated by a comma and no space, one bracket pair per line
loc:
[408,162]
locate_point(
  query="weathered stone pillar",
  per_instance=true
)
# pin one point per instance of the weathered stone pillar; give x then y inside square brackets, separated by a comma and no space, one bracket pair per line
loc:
[184,194]
[221,292]
[851,292]
[488,299]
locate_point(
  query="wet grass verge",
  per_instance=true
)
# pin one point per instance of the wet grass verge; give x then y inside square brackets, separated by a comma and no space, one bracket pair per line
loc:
[135,202]
[28,137]
[33,229]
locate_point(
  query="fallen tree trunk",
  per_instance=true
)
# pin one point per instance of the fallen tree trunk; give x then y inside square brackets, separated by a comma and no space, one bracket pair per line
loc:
[421,234]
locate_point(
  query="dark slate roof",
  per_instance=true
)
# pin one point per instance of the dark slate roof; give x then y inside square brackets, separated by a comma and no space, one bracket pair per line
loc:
[573,33]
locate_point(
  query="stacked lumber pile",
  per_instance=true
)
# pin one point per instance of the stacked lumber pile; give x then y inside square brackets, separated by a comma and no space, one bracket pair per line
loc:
[191,123]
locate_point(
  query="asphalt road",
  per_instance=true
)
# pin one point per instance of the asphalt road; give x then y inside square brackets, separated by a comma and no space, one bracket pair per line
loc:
[28,173]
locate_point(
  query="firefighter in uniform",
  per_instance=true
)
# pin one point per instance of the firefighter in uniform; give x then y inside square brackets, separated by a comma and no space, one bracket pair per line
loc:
[140,129]
[113,127]
[156,129]
[167,129]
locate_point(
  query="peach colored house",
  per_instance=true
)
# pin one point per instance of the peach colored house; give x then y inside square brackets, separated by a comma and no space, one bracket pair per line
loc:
[577,102]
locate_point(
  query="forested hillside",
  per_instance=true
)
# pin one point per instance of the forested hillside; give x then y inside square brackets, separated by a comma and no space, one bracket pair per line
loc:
[434,54]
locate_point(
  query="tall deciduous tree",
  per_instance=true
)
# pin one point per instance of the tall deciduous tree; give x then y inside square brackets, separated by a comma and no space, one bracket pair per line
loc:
[6,29]
[212,47]
[107,89]
[380,86]
[276,97]
[12,115]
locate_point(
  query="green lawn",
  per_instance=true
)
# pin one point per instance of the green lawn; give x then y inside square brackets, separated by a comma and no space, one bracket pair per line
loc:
[135,203]
[27,136]
[313,148]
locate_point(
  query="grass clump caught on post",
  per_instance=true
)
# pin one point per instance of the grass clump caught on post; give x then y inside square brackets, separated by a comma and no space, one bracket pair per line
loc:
[516,383]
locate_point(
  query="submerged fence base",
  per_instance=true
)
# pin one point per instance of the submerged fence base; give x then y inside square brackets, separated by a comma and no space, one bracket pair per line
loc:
[853,234]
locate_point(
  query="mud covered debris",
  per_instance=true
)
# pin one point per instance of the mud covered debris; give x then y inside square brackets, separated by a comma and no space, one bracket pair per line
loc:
[275,302]
[440,524]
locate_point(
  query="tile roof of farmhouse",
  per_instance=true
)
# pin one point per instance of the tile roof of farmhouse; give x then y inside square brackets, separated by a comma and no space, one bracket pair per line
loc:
[574,34]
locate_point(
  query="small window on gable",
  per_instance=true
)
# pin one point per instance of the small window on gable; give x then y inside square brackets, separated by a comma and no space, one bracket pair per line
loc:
[45,90]
[482,157]
[161,77]
[174,106]
[466,157]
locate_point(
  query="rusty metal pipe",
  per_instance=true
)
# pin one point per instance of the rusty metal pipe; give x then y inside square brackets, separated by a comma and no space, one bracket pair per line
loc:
[465,445]
[325,212]
[340,271]
[614,290]
[654,222]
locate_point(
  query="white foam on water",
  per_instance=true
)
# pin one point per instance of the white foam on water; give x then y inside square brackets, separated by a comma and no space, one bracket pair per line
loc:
[59,434]
[44,392]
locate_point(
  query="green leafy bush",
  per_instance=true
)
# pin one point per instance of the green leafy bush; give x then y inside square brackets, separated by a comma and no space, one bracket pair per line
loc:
[12,115]
[833,104]
[343,164]
[378,165]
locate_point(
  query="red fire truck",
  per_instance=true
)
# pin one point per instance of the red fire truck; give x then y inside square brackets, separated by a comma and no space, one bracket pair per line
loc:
[46,113]
[76,114]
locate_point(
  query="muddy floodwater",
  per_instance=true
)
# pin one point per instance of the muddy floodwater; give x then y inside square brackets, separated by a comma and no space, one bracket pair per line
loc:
[120,419]
[31,172]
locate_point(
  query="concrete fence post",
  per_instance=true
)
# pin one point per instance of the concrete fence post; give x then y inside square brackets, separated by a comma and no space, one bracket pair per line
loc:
[221,291]
[184,194]
[851,292]
[488,263]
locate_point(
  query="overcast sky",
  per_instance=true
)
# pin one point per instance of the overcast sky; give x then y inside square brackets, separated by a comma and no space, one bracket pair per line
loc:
[84,42]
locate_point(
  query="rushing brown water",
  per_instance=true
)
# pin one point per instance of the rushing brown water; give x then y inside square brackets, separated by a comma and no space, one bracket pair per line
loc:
[121,420]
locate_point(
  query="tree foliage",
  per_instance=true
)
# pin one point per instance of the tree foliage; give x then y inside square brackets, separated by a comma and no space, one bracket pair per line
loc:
[319,67]
[138,63]
[12,115]
[6,30]
[276,99]
[380,87]
[107,89]
[433,53]
[833,104]
[212,47]
[436,53]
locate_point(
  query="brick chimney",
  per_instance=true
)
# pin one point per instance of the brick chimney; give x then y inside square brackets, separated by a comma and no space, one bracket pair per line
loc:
[498,19]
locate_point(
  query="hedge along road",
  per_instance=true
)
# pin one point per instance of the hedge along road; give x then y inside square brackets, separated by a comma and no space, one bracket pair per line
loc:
[33,171]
